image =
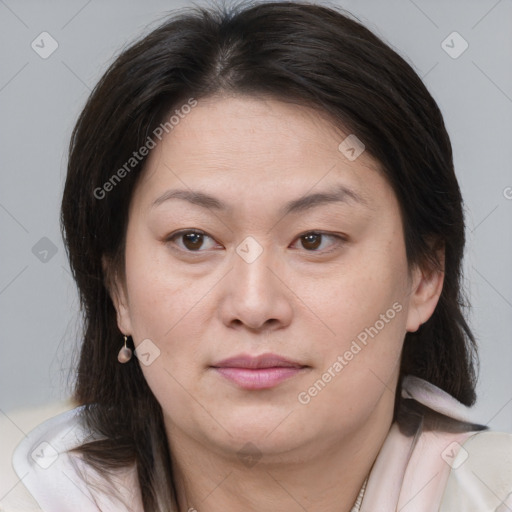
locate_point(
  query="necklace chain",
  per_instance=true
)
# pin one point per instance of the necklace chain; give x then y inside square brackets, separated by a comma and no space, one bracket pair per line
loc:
[359,499]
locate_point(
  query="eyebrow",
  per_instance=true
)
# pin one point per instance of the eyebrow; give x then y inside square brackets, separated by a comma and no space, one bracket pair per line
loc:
[339,194]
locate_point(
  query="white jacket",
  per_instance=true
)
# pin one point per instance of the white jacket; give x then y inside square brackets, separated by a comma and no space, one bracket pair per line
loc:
[436,461]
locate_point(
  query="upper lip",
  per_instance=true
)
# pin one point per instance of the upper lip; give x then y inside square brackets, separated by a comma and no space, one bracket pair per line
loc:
[261,361]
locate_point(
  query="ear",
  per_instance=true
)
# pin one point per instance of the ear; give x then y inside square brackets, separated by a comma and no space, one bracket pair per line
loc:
[427,285]
[117,292]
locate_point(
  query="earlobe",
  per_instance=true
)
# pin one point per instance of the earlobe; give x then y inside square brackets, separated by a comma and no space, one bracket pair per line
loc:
[117,293]
[425,293]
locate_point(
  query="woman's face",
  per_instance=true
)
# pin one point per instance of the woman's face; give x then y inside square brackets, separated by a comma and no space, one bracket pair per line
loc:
[300,255]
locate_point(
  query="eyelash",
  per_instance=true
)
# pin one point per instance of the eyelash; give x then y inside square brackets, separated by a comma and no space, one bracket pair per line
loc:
[340,239]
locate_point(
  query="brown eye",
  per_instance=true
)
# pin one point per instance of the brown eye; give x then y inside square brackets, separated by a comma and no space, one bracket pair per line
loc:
[314,240]
[311,241]
[191,240]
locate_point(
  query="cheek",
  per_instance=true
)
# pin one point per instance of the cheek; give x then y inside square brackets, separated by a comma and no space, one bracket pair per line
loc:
[170,309]
[164,309]
[159,299]
[365,308]
[363,291]
[361,357]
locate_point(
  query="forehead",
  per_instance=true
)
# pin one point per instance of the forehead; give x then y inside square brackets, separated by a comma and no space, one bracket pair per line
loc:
[256,149]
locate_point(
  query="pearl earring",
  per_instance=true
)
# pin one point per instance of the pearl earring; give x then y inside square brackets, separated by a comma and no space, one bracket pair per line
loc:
[125,354]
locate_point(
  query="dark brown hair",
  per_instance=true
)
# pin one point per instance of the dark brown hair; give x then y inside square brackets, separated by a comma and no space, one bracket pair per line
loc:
[295,51]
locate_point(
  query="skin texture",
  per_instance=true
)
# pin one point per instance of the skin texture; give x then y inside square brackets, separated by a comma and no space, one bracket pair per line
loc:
[198,308]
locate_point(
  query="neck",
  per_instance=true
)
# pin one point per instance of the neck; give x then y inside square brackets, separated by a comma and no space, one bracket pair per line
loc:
[324,476]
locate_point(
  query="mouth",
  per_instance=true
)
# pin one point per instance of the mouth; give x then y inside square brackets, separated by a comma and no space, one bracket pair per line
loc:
[260,372]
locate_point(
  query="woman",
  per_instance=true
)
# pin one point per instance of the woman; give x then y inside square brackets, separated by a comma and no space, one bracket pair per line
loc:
[264,224]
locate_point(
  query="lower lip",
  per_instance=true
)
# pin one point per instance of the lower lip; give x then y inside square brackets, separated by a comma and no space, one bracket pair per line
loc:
[258,378]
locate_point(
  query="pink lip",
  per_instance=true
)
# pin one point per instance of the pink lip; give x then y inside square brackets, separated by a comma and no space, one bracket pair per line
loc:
[261,372]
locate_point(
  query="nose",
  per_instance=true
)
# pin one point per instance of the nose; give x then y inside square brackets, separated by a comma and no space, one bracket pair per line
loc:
[255,294]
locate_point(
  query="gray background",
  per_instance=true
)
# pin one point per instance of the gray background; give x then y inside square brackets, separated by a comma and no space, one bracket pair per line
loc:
[41,98]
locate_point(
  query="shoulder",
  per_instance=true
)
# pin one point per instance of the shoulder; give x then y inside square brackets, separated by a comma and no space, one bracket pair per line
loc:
[481,474]
[14,495]
[472,465]
[52,476]
[454,463]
